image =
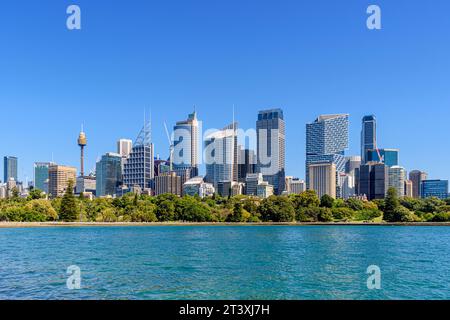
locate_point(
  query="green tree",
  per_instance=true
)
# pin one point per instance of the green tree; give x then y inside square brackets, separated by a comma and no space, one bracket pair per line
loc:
[345,214]
[431,205]
[402,214]
[35,194]
[441,217]
[69,210]
[391,204]
[355,204]
[39,210]
[15,193]
[325,215]
[307,199]
[277,209]
[237,214]
[165,211]
[326,201]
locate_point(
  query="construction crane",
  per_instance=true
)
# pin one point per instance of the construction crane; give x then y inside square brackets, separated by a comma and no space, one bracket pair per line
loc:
[172,147]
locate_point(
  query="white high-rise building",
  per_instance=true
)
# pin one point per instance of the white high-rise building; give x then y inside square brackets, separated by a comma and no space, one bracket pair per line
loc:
[185,143]
[397,178]
[322,179]
[221,151]
[295,185]
[124,147]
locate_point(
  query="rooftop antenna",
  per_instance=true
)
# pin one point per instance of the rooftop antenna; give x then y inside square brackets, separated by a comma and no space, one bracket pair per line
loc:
[172,147]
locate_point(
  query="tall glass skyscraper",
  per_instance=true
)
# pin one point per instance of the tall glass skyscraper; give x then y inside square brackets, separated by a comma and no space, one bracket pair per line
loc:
[10,168]
[368,136]
[222,155]
[271,148]
[41,177]
[186,141]
[108,174]
[327,138]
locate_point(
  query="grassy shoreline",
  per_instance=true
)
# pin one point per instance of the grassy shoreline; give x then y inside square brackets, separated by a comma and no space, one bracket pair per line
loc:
[17,225]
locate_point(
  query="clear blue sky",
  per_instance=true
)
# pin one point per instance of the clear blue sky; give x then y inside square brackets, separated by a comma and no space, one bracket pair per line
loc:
[307,57]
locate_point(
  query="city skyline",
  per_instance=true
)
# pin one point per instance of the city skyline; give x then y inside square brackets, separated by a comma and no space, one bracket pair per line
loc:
[310,59]
[164,154]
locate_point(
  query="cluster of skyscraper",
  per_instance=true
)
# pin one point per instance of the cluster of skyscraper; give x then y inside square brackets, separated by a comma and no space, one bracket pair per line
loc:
[329,171]
[233,168]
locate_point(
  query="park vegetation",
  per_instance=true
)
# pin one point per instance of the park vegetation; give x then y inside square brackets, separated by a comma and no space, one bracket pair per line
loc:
[304,207]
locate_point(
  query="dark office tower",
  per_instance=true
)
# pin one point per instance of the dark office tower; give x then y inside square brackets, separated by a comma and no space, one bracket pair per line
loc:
[10,168]
[246,163]
[271,148]
[417,176]
[326,141]
[373,180]
[368,136]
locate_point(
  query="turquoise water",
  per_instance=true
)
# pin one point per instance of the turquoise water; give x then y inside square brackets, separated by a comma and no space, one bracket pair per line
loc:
[191,262]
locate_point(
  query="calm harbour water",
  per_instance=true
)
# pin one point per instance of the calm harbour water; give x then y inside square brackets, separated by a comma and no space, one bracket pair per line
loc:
[195,262]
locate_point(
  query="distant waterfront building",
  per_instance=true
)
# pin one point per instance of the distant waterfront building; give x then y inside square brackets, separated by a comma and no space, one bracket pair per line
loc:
[10,185]
[246,163]
[368,136]
[271,148]
[352,163]
[408,188]
[349,182]
[139,168]
[222,155]
[186,141]
[327,138]
[230,188]
[416,177]
[295,185]
[322,179]
[347,186]
[10,165]
[197,186]
[86,184]
[41,177]
[161,166]
[390,157]
[168,183]
[397,178]
[251,183]
[108,174]
[434,188]
[264,190]
[373,180]
[59,177]
[3,191]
